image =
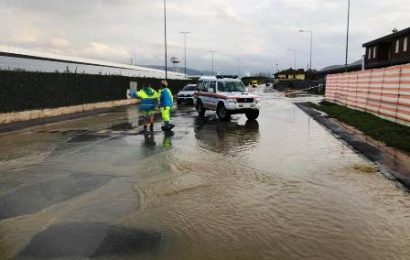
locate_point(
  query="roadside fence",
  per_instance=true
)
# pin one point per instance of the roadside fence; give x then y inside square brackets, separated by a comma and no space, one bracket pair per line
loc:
[383,92]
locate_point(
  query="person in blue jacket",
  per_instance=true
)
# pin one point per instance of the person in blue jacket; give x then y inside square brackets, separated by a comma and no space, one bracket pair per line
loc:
[148,104]
[166,102]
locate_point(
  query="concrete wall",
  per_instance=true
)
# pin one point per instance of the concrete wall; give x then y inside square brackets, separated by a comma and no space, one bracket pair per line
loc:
[383,92]
[6,118]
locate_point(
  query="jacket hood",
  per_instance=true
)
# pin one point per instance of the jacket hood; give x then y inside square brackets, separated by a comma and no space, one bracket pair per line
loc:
[149,91]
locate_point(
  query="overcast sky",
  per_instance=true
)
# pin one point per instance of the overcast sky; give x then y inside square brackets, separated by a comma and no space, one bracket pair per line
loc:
[254,33]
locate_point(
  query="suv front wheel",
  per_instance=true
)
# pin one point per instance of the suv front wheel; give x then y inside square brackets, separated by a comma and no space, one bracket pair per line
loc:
[200,109]
[222,113]
[252,114]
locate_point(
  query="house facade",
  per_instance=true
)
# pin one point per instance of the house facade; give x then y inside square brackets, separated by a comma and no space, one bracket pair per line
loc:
[291,74]
[389,50]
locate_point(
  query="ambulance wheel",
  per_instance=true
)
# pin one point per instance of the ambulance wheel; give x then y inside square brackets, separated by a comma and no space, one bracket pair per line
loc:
[222,113]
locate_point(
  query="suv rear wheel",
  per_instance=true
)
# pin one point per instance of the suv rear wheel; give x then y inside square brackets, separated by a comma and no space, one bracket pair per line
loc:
[252,114]
[200,109]
[222,113]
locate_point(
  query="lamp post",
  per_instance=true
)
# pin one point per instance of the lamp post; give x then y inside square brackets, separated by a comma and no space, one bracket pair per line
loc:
[239,68]
[275,69]
[185,34]
[311,40]
[294,52]
[347,33]
[212,53]
[165,39]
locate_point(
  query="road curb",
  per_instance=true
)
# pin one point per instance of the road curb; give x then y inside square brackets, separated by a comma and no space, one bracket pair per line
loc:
[390,167]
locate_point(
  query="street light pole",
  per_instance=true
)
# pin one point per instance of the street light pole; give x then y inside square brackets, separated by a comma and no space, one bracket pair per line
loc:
[185,34]
[165,39]
[311,41]
[294,52]
[347,33]
[212,53]
[239,68]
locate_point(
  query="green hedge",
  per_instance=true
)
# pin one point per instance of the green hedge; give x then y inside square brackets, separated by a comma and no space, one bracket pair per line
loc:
[21,90]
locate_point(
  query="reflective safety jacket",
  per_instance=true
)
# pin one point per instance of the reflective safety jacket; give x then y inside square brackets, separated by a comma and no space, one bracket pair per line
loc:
[149,99]
[166,99]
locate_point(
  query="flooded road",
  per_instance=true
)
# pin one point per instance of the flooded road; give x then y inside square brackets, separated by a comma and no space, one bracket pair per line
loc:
[279,188]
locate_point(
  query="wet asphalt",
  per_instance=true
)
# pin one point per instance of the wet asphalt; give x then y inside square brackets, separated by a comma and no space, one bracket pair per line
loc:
[279,187]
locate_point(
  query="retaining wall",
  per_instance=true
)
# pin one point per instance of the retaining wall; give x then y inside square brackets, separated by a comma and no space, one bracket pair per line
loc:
[6,118]
[383,92]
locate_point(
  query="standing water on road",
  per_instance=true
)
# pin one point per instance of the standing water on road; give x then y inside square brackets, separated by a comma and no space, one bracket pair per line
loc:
[281,187]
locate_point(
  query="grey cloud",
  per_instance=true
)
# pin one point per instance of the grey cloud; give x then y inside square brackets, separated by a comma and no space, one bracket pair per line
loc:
[256,32]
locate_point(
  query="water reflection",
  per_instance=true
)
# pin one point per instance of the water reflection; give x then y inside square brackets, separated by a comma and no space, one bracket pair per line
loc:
[149,140]
[150,145]
[226,137]
[167,140]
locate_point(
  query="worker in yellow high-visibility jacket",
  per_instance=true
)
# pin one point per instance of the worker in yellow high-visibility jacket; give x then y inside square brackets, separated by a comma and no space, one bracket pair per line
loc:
[149,101]
[166,102]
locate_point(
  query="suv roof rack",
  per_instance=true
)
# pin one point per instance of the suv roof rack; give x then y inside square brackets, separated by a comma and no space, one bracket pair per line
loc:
[226,76]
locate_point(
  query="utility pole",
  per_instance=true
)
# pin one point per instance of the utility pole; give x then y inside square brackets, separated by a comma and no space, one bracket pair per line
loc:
[165,39]
[185,34]
[347,33]
[311,43]
[212,53]
[239,68]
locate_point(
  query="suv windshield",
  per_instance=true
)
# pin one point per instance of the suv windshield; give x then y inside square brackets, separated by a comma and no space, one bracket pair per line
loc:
[231,86]
[189,88]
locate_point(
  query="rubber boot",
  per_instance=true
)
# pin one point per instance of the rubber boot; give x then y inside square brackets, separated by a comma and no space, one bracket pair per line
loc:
[165,126]
[151,127]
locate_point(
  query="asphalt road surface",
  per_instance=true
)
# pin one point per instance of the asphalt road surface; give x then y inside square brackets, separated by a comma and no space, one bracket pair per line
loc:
[281,187]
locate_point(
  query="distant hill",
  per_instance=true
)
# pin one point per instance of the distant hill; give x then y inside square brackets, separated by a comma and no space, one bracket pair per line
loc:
[190,72]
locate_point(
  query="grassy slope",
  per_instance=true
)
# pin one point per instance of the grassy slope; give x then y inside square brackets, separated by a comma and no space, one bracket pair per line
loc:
[392,134]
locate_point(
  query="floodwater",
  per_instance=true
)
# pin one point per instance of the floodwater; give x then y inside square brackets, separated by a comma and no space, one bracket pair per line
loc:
[279,188]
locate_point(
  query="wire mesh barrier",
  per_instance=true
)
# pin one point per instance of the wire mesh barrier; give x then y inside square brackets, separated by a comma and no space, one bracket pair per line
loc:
[20,90]
[383,92]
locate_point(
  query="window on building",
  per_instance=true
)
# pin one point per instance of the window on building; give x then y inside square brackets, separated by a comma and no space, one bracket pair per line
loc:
[397,46]
[405,43]
[369,53]
[374,52]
